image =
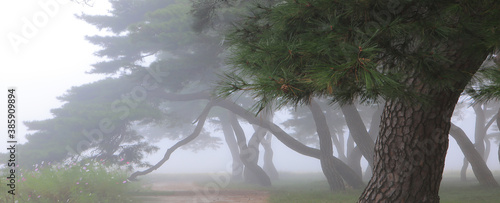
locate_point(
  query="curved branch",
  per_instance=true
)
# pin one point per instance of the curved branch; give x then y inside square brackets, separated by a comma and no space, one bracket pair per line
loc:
[201,121]
[347,173]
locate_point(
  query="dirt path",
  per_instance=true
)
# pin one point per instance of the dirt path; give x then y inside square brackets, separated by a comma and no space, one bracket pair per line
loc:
[184,192]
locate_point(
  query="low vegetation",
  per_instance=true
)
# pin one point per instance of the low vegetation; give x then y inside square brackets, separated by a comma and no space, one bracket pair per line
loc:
[96,182]
[71,183]
[452,191]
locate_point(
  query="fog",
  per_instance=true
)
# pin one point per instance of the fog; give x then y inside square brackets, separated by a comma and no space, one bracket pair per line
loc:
[56,57]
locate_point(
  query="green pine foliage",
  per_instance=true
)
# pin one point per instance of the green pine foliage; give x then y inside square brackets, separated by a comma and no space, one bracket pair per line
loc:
[294,50]
[84,110]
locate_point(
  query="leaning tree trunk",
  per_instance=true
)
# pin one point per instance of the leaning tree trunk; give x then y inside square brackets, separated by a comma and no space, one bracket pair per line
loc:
[463,170]
[487,149]
[246,154]
[479,131]
[345,171]
[237,165]
[269,167]
[373,132]
[413,140]
[325,146]
[253,146]
[354,161]
[481,144]
[358,131]
[479,167]
[337,136]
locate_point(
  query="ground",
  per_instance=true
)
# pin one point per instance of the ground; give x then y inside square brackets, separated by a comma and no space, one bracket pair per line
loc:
[182,191]
[292,187]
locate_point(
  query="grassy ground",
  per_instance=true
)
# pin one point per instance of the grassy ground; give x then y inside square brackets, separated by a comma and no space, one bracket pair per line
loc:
[312,188]
[315,190]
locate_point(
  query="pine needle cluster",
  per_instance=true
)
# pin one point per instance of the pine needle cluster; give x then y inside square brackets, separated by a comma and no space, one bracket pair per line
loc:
[293,50]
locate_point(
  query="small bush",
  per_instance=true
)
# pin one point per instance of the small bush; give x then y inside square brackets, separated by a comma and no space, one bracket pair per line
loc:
[75,183]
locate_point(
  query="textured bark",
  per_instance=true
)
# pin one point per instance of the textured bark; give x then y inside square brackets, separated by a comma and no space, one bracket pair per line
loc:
[413,140]
[410,153]
[237,166]
[411,148]
[246,155]
[326,149]
[201,121]
[479,167]
[358,131]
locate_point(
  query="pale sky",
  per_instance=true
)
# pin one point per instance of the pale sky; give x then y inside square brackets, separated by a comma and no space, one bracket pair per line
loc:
[44,62]
[51,56]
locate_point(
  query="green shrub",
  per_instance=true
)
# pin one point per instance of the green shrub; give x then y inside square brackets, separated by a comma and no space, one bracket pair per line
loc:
[76,183]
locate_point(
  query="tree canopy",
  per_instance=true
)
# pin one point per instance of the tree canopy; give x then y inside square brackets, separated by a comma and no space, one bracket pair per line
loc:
[294,50]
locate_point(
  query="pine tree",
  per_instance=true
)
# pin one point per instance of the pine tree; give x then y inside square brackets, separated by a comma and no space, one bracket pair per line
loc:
[418,56]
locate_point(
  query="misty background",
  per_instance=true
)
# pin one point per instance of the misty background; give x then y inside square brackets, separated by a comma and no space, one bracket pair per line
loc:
[57,57]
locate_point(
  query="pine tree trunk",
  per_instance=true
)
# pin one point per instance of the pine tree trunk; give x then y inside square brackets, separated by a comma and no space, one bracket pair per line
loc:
[345,171]
[463,171]
[479,167]
[237,165]
[487,149]
[246,155]
[325,146]
[410,152]
[411,147]
[358,131]
[374,130]
[269,167]
[479,131]
[337,137]
[354,161]
[253,146]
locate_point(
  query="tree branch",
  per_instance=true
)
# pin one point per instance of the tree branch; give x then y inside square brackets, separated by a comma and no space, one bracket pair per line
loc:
[201,121]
